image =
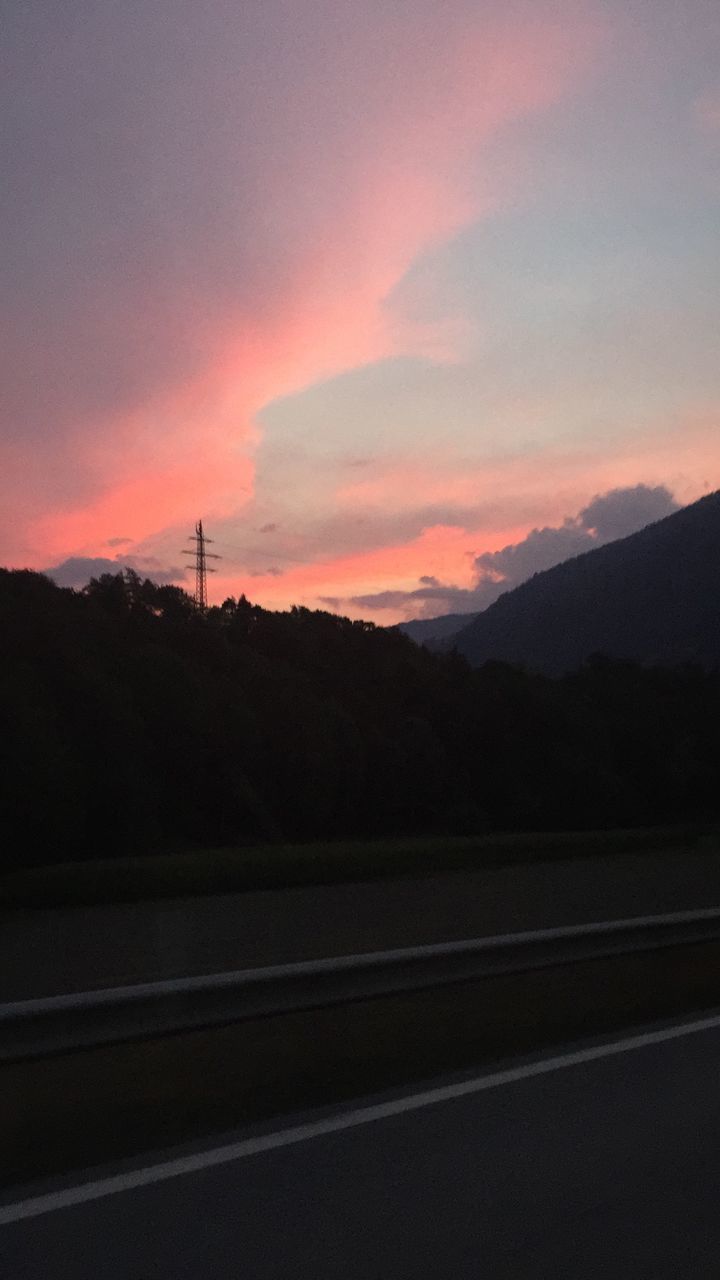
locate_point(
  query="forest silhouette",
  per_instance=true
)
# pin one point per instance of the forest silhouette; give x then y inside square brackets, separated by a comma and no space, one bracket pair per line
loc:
[134,722]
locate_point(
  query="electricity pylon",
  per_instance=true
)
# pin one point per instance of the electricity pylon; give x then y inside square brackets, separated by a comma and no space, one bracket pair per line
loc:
[202,568]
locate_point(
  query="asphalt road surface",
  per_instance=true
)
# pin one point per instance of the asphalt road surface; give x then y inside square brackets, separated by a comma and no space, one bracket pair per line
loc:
[602,1162]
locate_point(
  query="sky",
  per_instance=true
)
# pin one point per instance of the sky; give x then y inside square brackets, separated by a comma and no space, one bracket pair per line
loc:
[397,297]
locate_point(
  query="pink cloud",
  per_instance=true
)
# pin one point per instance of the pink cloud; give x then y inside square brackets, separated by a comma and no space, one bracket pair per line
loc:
[399,170]
[683,454]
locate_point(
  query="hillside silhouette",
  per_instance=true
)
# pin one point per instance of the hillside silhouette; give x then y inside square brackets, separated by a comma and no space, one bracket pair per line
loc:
[434,632]
[133,722]
[652,597]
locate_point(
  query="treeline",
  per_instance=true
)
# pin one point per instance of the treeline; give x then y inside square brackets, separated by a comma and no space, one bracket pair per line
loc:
[131,722]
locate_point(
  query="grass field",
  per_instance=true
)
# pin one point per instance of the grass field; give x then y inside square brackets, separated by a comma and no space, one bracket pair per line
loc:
[207,872]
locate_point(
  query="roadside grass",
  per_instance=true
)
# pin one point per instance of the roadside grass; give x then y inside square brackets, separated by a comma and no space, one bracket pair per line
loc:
[207,872]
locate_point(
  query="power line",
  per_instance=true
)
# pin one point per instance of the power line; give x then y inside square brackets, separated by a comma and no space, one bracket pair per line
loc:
[256,551]
[320,549]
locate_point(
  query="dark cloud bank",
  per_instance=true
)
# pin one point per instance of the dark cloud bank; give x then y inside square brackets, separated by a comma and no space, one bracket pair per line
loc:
[77,571]
[609,516]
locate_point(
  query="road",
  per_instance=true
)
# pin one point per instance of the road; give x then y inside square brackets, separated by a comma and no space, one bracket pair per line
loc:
[593,1163]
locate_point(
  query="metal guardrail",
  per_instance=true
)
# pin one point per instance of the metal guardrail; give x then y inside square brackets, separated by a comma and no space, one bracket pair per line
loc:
[60,1024]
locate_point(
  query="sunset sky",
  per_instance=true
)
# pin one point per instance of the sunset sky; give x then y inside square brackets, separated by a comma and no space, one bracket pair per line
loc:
[377,290]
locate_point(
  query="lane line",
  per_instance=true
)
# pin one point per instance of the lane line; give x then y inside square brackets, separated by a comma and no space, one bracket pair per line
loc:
[227,1154]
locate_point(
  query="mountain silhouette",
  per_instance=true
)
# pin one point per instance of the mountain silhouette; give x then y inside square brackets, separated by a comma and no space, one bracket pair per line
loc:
[652,597]
[432,632]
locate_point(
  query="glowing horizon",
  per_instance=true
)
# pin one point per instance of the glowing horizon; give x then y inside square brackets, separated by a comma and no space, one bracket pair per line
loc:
[374,294]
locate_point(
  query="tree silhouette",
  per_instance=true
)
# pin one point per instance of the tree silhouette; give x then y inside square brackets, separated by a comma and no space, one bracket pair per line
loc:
[132,723]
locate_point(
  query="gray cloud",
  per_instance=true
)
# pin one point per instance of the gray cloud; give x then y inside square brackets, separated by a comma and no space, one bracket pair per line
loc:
[310,534]
[78,570]
[307,536]
[622,511]
[442,598]
[609,516]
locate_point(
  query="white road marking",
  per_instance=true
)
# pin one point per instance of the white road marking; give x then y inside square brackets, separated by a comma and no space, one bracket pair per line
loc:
[227,1154]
